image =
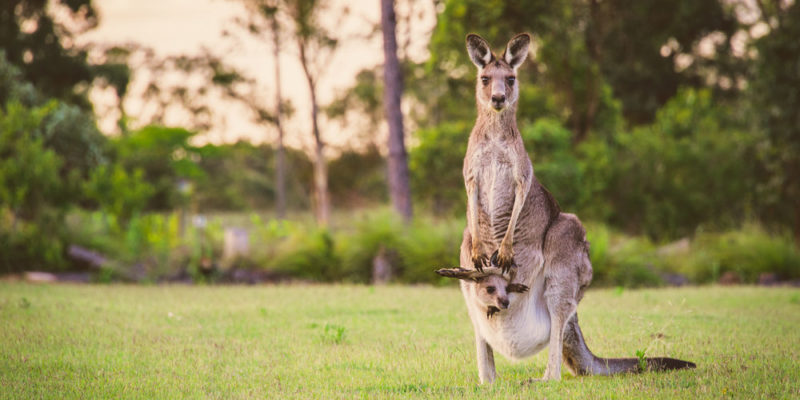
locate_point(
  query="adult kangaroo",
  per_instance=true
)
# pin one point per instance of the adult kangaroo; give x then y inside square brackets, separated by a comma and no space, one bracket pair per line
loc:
[513,218]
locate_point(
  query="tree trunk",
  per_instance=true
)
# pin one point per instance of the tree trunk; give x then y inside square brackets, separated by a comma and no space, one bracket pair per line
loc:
[393,91]
[280,170]
[322,202]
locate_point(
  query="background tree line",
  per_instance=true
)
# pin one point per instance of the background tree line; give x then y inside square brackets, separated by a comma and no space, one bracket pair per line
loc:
[656,118]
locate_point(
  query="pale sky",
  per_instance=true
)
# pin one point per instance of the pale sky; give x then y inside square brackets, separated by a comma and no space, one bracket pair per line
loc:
[174,27]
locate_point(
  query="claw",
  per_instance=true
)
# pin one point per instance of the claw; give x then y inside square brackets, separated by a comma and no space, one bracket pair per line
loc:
[505,266]
[479,262]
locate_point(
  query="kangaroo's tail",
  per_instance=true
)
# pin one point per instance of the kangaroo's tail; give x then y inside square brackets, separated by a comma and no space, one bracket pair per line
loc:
[581,361]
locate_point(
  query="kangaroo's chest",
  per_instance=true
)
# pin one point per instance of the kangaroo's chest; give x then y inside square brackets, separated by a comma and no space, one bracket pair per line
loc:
[494,162]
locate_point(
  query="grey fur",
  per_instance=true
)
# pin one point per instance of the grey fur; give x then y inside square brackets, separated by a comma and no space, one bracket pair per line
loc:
[511,214]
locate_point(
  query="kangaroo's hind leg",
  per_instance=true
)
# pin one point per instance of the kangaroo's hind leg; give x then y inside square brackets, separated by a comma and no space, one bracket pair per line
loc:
[567,273]
[560,297]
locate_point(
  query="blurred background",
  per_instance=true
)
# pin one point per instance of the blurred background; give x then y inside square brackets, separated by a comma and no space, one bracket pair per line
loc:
[313,140]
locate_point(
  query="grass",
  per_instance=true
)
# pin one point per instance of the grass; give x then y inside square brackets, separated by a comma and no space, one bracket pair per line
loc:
[322,341]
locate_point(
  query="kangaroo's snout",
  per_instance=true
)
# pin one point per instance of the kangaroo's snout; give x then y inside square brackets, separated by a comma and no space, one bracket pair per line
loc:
[502,302]
[498,101]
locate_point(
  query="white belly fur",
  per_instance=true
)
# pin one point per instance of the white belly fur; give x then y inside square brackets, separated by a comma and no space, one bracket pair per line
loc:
[520,331]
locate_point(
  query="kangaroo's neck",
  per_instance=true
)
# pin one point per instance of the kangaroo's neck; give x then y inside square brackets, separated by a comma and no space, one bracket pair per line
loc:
[493,124]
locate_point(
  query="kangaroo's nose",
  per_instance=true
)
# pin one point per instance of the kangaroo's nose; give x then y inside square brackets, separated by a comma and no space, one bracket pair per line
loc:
[499,98]
[504,303]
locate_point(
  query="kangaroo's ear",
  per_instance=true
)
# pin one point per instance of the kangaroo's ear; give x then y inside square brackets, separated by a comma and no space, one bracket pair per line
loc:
[479,51]
[516,288]
[517,50]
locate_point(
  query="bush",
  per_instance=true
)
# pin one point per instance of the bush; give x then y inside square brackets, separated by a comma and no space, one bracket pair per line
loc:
[308,253]
[151,248]
[748,252]
[620,260]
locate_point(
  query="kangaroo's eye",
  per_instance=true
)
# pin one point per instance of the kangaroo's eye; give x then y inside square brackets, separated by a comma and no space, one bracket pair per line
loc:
[490,289]
[485,80]
[510,80]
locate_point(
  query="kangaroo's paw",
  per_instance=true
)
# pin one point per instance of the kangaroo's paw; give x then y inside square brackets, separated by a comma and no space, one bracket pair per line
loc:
[516,288]
[479,260]
[503,258]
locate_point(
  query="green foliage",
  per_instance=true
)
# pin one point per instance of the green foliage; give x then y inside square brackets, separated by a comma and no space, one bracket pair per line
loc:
[555,165]
[626,40]
[308,253]
[775,91]
[29,178]
[358,179]
[373,234]
[435,164]
[117,192]
[629,261]
[748,252]
[689,168]
[620,260]
[31,207]
[165,156]
[241,176]
[35,245]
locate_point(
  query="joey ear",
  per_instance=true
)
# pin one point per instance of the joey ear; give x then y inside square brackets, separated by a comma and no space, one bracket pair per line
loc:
[459,273]
[517,50]
[469,274]
[479,51]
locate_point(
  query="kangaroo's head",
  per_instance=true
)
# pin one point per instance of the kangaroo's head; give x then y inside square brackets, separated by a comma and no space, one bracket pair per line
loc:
[492,288]
[497,87]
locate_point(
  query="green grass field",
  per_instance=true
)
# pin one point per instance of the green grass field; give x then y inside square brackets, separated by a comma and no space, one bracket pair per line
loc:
[65,341]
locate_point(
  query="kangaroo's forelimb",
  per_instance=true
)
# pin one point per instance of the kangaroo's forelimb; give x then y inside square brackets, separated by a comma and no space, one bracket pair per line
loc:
[479,259]
[522,184]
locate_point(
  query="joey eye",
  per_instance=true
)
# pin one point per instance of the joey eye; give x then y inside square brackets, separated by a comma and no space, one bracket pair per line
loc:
[511,80]
[490,289]
[485,80]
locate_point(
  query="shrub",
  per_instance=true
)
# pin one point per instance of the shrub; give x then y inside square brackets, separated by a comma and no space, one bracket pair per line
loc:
[620,260]
[748,252]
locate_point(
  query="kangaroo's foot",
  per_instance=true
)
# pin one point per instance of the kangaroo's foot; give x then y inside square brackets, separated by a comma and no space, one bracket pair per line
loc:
[504,258]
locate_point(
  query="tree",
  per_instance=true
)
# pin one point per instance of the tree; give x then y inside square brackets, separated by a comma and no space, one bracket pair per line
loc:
[588,53]
[315,45]
[42,50]
[118,193]
[165,157]
[65,128]
[280,162]
[392,75]
[776,94]
[265,17]
[29,181]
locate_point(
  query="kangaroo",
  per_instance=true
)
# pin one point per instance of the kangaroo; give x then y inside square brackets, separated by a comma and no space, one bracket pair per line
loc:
[511,216]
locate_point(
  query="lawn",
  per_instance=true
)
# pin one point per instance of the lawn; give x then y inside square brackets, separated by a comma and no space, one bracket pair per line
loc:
[339,341]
